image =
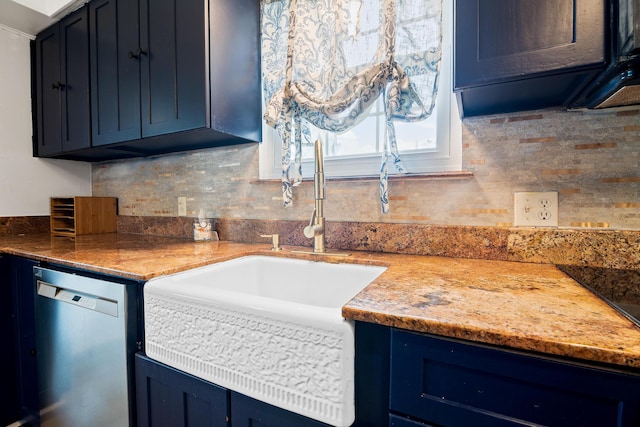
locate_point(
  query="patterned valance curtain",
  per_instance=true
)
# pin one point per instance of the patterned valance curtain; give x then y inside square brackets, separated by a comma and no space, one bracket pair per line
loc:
[325,62]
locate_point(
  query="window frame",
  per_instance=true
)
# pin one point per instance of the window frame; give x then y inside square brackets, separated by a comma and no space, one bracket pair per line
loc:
[446,157]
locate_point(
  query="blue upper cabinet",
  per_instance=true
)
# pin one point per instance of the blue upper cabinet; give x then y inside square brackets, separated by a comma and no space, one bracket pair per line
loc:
[62,118]
[173,63]
[516,55]
[166,76]
[115,73]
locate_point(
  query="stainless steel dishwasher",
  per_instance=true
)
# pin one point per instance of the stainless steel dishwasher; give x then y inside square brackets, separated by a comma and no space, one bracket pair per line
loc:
[86,337]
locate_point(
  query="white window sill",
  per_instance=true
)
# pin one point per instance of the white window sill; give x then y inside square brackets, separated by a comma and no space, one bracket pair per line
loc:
[396,177]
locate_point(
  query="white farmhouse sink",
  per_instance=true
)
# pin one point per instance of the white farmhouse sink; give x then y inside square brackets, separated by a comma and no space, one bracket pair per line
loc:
[267,327]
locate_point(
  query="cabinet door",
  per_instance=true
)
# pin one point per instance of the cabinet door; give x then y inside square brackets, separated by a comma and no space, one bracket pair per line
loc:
[499,40]
[454,384]
[174,77]
[115,71]
[62,86]
[48,92]
[248,412]
[167,397]
[74,71]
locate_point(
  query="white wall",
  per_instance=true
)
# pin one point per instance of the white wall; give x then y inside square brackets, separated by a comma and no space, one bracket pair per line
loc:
[26,183]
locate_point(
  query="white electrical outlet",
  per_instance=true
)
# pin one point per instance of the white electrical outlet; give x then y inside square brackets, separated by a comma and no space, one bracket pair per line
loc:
[536,209]
[182,206]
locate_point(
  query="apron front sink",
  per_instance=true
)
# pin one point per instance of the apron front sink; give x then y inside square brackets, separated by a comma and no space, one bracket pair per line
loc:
[268,327]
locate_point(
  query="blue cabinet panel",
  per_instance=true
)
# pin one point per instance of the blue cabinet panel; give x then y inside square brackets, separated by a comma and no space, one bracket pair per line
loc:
[115,71]
[167,397]
[450,383]
[372,374]
[25,335]
[47,117]
[62,114]
[515,55]
[236,94]
[74,71]
[8,362]
[174,74]
[248,412]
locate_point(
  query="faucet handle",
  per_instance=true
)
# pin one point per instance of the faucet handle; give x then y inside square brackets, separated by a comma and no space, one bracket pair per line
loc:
[309,231]
[275,241]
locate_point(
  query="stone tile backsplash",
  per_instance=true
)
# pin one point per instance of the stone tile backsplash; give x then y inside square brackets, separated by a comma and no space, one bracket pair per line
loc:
[591,159]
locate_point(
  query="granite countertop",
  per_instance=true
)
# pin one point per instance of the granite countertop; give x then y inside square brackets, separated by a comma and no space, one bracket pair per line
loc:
[131,256]
[525,306]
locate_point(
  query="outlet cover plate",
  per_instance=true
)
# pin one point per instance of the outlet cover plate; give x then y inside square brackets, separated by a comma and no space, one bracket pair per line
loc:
[536,209]
[182,206]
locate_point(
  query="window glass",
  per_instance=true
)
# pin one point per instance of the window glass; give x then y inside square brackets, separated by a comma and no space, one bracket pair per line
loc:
[431,145]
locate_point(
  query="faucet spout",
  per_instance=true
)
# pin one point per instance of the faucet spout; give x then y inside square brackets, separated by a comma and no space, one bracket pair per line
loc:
[315,229]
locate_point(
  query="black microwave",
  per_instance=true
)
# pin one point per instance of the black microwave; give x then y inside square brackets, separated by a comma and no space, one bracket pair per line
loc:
[619,84]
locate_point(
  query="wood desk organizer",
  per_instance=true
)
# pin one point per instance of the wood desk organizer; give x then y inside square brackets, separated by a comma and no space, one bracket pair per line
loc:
[73,216]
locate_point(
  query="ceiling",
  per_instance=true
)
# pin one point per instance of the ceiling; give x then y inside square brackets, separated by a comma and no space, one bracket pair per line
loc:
[32,16]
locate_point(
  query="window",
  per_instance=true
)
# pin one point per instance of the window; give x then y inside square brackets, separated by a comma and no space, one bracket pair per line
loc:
[431,145]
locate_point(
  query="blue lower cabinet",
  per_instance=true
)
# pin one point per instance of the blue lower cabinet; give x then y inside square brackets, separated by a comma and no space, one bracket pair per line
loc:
[166,397]
[450,383]
[26,371]
[8,359]
[248,412]
[423,381]
[169,397]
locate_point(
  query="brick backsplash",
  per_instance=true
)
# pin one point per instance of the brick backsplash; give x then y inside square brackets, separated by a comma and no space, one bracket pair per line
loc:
[591,159]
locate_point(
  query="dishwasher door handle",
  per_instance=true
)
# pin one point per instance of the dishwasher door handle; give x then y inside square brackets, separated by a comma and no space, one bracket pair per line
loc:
[79,299]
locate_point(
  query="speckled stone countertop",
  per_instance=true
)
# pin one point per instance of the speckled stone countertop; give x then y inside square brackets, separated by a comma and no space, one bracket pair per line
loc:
[525,306]
[131,256]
